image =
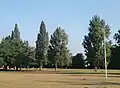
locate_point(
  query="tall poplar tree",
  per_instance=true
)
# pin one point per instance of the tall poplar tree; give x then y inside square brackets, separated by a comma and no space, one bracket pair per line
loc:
[41,45]
[94,42]
[58,52]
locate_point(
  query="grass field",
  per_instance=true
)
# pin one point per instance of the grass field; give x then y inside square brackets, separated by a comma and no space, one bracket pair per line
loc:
[61,79]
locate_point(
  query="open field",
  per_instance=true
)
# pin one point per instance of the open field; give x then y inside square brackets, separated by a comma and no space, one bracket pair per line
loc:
[61,79]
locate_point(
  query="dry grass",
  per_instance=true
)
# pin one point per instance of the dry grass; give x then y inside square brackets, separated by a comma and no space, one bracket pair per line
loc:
[49,79]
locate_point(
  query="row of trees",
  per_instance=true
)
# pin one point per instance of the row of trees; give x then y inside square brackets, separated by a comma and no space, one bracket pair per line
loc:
[53,52]
[16,53]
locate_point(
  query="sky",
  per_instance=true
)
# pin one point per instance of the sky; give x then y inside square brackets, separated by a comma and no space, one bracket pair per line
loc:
[71,15]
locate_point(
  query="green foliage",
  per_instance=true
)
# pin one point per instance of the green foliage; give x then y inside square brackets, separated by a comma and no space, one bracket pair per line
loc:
[42,45]
[114,63]
[16,33]
[93,42]
[22,54]
[117,38]
[108,51]
[58,52]
[51,54]
[1,61]
[14,51]
[78,61]
[6,51]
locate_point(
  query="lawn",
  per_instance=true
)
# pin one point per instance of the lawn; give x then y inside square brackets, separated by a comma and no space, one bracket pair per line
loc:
[62,79]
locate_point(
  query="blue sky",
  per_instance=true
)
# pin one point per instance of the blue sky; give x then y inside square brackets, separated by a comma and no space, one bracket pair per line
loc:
[72,15]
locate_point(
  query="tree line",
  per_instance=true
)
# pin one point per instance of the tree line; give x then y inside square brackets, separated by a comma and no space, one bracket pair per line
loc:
[53,52]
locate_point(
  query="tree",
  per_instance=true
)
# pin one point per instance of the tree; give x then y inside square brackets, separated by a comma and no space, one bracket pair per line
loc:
[16,34]
[117,38]
[6,52]
[16,45]
[31,56]
[78,61]
[10,48]
[94,42]
[15,52]
[20,49]
[25,56]
[114,62]
[41,45]
[58,52]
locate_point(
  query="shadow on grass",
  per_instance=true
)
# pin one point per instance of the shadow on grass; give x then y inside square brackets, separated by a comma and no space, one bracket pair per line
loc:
[58,72]
[89,73]
[94,83]
[116,76]
[31,71]
[102,83]
[8,70]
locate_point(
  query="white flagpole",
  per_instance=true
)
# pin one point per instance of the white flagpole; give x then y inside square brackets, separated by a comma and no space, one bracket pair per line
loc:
[105,54]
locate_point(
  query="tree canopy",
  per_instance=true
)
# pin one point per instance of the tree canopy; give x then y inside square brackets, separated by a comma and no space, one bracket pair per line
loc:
[58,52]
[93,42]
[41,45]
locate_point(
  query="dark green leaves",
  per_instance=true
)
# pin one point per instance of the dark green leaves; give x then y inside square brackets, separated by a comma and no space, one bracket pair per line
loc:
[41,45]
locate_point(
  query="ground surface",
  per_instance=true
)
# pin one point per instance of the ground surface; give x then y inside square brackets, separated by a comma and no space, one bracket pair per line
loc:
[61,79]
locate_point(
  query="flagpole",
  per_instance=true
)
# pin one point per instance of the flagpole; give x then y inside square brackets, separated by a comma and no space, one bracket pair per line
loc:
[105,55]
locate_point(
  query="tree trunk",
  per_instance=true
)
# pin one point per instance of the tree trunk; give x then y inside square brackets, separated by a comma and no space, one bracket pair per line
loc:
[5,68]
[65,67]
[16,68]
[40,67]
[56,66]
[99,67]
[95,68]
[20,67]
[27,67]
[9,67]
